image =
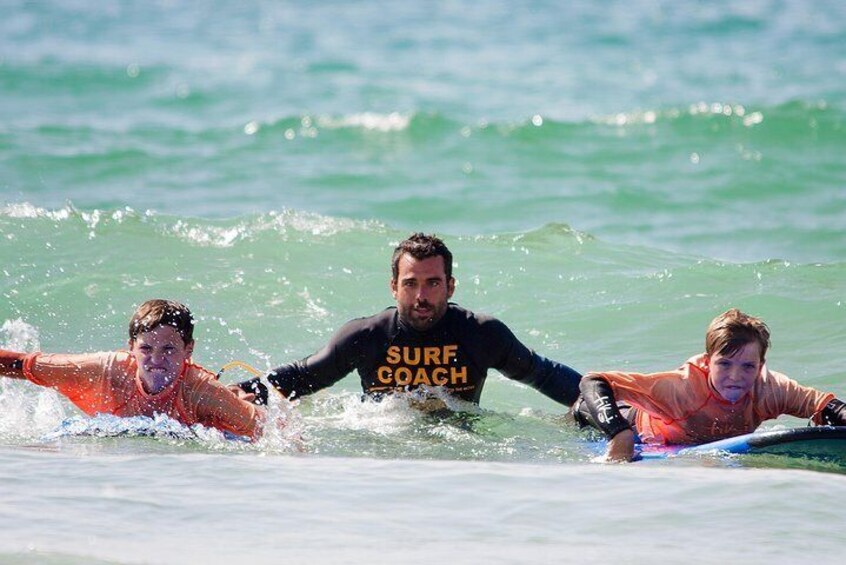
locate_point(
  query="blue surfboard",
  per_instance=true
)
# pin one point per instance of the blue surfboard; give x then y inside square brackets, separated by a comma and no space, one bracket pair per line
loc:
[826,443]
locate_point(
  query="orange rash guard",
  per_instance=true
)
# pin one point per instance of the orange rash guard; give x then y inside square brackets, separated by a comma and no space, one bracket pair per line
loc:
[681,407]
[107,382]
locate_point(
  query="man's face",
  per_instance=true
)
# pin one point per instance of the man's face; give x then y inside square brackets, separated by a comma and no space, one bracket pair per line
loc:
[160,354]
[733,376]
[422,290]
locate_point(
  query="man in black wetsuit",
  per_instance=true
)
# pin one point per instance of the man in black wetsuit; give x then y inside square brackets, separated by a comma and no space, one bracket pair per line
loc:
[425,341]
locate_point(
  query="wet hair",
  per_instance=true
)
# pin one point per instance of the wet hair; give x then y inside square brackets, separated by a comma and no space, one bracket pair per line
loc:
[422,246]
[157,312]
[732,330]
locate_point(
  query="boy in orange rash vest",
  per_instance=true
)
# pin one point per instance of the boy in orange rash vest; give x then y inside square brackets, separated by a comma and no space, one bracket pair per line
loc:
[156,375]
[725,392]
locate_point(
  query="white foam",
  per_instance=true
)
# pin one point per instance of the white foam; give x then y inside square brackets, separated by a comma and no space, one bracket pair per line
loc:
[27,210]
[210,236]
[19,336]
[369,121]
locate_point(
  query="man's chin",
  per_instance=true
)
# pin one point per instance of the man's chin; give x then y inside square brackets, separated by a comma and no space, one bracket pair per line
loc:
[422,324]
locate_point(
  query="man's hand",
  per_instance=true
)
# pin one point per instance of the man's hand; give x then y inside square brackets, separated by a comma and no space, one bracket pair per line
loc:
[621,447]
[11,364]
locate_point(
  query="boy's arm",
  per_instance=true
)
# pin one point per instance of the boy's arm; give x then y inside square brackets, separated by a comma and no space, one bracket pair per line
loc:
[786,396]
[602,406]
[217,407]
[11,364]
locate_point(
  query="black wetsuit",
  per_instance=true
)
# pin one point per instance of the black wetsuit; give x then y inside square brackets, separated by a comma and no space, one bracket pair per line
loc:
[454,354]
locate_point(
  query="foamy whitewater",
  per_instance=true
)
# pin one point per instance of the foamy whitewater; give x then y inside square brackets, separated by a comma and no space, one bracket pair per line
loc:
[609,176]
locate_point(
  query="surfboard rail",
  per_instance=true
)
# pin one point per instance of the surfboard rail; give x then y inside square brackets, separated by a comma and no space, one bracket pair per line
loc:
[822,442]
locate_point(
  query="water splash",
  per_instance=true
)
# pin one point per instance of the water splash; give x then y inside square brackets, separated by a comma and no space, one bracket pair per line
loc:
[18,335]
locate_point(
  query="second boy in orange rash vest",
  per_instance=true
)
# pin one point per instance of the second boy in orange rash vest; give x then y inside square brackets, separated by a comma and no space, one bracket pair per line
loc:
[725,392]
[156,375]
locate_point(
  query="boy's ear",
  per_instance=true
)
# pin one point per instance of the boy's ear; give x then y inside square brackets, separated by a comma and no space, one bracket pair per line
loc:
[189,348]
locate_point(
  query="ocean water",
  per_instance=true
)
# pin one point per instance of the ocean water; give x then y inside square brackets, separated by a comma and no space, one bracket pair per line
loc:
[610,176]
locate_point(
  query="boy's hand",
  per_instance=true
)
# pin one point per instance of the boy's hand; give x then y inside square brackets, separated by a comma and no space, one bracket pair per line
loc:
[242,394]
[252,391]
[621,447]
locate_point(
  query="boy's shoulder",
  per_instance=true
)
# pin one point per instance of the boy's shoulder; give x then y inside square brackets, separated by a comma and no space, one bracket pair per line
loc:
[197,380]
[694,369]
[195,373]
[773,379]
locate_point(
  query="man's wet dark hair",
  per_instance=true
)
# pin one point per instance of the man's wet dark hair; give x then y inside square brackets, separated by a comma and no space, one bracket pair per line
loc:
[157,312]
[422,246]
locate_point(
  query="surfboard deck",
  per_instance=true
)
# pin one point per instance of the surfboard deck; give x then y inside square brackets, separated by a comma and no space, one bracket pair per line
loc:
[111,426]
[827,443]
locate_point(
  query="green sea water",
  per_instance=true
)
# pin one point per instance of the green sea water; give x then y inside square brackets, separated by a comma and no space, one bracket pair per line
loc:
[609,177]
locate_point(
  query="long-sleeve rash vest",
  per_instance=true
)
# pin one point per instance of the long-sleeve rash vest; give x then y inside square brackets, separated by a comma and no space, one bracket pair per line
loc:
[454,354]
[107,382]
[681,407]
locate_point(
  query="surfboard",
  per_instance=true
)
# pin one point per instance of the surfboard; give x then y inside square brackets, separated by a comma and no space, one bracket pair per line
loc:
[111,426]
[826,443]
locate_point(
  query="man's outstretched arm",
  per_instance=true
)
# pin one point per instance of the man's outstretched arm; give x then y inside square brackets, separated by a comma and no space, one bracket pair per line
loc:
[604,415]
[317,371]
[555,380]
[834,413]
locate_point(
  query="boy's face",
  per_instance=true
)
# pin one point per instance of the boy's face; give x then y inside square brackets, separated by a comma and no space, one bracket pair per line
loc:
[422,291]
[160,354]
[732,377]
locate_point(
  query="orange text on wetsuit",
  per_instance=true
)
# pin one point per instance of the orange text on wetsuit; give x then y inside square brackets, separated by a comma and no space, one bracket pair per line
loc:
[428,366]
